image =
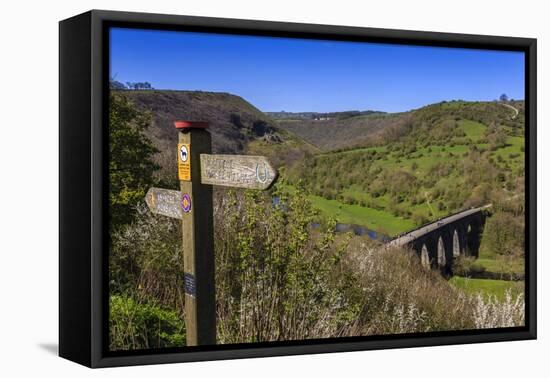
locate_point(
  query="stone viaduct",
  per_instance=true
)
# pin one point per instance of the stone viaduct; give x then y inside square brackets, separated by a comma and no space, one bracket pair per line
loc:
[438,243]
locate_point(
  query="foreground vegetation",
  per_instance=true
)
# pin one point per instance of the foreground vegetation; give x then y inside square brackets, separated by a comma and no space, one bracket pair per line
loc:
[277,279]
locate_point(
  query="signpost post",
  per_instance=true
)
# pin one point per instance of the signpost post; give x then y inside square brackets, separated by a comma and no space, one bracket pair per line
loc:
[197,234]
[198,170]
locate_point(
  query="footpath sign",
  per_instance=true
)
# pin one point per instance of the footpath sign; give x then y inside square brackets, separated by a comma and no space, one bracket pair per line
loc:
[164,202]
[198,170]
[239,171]
[184,163]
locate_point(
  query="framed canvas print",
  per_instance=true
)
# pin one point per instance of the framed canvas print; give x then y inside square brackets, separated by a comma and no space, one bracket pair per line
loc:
[233,188]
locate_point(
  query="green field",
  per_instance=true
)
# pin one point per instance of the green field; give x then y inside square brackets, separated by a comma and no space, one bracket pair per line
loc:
[512,155]
[373,219]
[494,263]
[473,130]
[495,288]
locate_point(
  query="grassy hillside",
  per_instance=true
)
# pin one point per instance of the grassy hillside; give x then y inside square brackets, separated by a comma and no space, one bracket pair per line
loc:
[350,130]
[315,115]
[451,156]
[334,133]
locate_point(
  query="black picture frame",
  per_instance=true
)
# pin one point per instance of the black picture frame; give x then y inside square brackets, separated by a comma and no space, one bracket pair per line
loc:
[83,252]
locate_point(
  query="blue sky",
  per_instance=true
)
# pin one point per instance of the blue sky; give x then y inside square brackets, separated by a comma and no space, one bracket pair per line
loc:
[277,74]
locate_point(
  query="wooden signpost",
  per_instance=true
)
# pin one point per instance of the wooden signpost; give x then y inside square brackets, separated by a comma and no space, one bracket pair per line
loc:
[198,170]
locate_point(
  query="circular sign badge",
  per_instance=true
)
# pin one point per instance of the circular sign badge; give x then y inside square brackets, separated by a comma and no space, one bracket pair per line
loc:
[261,174]
[186,203]
[184,154]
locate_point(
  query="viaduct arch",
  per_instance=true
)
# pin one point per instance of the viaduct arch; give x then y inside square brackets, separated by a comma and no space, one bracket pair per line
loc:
[437,244]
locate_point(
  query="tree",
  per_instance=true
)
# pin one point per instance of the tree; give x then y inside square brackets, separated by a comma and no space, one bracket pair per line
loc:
[131,164]
[503,234]
[139,85]
[113,84]
[235,119]
[496,137]
[503,98]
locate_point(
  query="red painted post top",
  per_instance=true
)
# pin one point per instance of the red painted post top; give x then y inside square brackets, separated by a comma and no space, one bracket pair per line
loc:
[190,125]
